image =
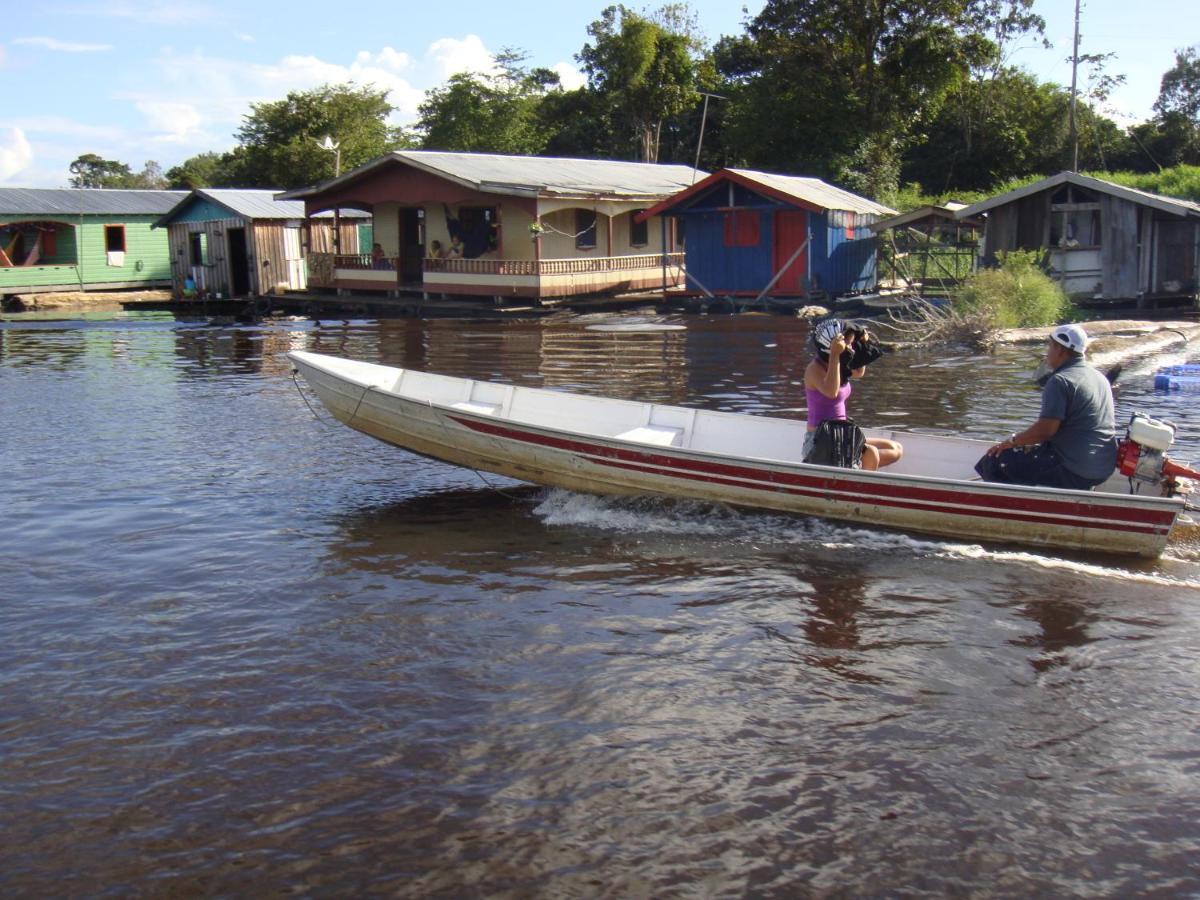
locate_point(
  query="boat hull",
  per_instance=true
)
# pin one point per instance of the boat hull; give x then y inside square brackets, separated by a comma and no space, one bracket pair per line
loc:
[478,435]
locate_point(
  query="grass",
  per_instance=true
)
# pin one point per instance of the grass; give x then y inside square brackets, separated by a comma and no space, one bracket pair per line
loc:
[1017,294]
[1182,182]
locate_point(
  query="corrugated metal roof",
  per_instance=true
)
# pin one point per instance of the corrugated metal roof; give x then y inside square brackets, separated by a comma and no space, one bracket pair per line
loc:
[252,203]
[815,191]
[85,201]
[945,210]
[537,176]
[1157,201]
[554,176]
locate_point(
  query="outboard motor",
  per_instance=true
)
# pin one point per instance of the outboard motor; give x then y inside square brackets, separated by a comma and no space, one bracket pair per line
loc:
[1142,455]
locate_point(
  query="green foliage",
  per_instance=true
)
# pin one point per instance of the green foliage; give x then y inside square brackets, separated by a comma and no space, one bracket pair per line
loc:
[497,113]
[992,129]
[279,142]
[839,90]
[1017,294]
[200,171]
[92,171]
[1179,181]
[642,71]
[1179,91]
[881,98]
[1171,139]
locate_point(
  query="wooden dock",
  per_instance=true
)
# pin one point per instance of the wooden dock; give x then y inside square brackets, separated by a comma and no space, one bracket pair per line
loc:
[333,306]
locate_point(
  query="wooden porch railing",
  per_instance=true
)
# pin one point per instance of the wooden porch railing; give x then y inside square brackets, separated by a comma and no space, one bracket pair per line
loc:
[322,267]
[365,261]
[551,266]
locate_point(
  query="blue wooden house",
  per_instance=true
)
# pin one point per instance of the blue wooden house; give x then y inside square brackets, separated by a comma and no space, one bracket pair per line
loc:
[755,234]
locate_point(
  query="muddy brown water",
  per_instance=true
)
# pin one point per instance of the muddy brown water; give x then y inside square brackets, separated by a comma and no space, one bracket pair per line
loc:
[243,653]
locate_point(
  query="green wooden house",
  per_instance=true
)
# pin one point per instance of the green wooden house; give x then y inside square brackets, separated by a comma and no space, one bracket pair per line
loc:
[83,239]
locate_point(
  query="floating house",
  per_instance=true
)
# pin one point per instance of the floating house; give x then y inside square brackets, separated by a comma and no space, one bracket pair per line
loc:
[1103,241]
[235,243]
[82,239]
[928,251]
[502,226]
[779,236]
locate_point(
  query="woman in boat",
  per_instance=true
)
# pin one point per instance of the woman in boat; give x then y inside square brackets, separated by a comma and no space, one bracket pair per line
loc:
[827,387]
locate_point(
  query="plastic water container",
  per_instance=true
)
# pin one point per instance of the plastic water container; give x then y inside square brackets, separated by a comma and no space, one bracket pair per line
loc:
[1178,378]
[1152,433]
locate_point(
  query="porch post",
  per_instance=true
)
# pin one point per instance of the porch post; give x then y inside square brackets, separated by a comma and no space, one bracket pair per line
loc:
[662,227]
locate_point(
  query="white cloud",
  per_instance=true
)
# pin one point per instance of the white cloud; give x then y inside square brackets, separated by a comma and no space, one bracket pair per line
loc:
[62,46]
[449,56]
[16,154]
[570,76]
[243,37]
[192,101]
[174,123]
[194,91]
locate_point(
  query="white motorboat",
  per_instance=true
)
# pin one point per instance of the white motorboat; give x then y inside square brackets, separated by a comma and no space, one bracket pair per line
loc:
[608,446]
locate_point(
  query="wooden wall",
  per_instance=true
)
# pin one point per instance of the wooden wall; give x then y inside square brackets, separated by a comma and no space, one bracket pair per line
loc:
[211,274]
[1119,247]
[145,261]
[267,241]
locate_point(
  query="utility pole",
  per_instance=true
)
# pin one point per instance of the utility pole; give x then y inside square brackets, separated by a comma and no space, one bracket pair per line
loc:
[335,147]
[1074,75]
[703,119]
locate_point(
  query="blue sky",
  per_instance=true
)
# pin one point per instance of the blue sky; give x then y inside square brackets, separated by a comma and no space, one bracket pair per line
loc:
[165,79]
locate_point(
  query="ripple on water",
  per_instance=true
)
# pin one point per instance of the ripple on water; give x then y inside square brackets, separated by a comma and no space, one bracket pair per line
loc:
[245,651]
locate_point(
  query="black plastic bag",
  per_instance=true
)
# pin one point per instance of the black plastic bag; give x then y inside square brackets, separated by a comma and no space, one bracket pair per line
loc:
[837,442]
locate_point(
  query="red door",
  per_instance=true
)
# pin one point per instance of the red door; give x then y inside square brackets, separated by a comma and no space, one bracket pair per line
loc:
[791,231]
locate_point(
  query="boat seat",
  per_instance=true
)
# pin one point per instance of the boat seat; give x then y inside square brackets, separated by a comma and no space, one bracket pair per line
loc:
[660,435]
[474,406]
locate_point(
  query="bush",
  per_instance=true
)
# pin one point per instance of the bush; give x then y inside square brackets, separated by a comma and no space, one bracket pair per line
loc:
[1018,294]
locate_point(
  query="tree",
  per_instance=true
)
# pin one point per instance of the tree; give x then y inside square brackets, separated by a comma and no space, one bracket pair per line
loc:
[93,171]
[643,71]
[577,124]
[150,178]
[279,142]
[200,171]
[1178,107]
[1179,91]
[842,88]
[490,113]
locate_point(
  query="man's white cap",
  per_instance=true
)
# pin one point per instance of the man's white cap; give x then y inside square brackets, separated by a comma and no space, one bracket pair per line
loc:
[1072,337]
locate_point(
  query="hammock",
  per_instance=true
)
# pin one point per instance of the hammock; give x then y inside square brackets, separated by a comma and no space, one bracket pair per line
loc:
[35,253]
[5,257]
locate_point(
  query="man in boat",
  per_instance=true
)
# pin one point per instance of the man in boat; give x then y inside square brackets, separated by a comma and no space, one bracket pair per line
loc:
[1073,443]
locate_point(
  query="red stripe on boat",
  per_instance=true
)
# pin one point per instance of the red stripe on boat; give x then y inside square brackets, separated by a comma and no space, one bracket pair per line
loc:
[886,494]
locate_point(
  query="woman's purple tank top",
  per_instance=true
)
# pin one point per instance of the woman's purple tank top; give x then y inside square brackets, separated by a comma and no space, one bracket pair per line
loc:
[821,407]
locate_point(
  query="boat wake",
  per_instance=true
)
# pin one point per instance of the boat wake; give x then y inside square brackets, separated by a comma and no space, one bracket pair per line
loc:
[678,518]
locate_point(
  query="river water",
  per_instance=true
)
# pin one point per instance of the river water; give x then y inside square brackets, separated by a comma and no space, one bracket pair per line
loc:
[244,652]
